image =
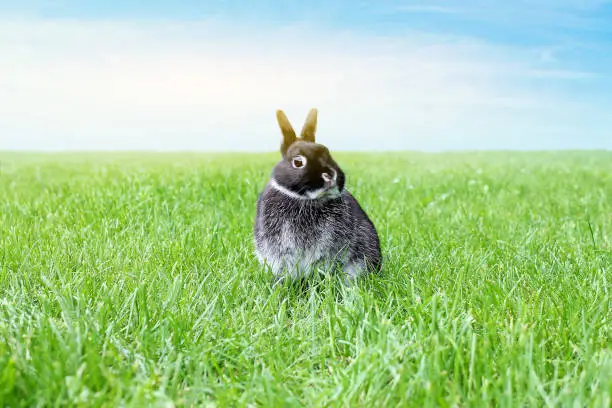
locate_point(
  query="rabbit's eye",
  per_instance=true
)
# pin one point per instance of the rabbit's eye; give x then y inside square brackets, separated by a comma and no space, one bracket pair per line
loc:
[298,161]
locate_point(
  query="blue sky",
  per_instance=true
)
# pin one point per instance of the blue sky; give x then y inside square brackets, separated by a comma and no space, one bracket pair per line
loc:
[388,75]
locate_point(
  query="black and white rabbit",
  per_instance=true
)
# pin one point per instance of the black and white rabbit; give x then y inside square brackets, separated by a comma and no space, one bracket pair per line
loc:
[306,218]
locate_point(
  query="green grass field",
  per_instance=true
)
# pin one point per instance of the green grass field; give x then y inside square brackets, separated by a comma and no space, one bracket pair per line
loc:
[130,280]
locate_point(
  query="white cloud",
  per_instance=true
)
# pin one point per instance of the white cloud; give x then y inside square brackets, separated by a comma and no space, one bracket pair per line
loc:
[215,86]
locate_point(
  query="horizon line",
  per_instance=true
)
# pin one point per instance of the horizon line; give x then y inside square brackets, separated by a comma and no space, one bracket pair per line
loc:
[244,152]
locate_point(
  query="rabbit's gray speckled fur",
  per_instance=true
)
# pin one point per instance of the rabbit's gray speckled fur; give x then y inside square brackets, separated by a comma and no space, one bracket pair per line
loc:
[306,218]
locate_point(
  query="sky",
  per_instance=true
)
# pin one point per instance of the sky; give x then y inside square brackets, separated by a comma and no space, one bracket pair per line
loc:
[385,75]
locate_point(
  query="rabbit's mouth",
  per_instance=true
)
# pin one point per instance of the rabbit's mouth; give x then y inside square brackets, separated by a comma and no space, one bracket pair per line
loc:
[328,192]
[330,189]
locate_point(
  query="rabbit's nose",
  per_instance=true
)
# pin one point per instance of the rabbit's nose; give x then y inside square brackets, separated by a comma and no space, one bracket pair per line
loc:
[327,178]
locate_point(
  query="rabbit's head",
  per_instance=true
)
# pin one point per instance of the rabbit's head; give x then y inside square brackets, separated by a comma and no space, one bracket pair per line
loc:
[307,170]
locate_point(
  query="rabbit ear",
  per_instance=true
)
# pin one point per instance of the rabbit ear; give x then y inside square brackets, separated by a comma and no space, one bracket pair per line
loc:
[287,130]
[310,126]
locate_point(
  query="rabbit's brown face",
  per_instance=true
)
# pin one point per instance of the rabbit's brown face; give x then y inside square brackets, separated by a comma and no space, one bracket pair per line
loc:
[309,171]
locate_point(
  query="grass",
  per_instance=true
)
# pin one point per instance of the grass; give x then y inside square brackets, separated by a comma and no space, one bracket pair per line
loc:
[130,280]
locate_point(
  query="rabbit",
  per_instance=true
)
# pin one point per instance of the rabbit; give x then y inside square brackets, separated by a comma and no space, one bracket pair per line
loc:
[306,219]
